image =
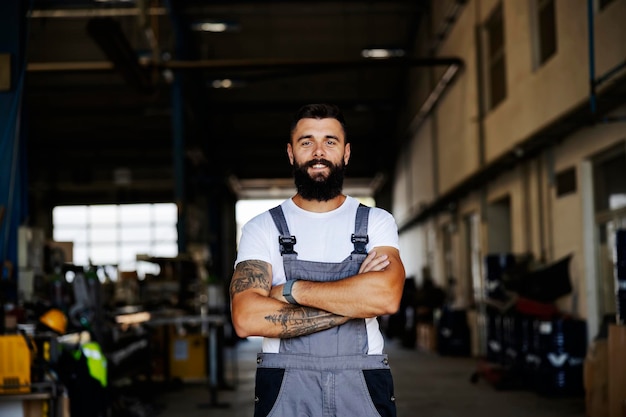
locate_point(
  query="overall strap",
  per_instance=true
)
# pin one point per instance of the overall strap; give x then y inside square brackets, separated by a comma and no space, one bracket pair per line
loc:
[285,240]
[359,237]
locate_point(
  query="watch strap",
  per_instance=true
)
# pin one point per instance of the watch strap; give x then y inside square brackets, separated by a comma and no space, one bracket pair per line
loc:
[287,291]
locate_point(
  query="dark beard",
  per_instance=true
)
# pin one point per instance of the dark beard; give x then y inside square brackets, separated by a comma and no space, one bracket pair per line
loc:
[319,188]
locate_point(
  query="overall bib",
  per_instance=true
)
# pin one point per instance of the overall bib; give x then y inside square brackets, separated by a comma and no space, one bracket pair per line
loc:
[328,373]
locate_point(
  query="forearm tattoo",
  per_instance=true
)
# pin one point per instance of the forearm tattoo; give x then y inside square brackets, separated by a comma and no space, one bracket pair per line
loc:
[299,321]
[295,320]
[250,274]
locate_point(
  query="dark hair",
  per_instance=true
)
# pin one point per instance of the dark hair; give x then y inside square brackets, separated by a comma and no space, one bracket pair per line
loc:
[319,111]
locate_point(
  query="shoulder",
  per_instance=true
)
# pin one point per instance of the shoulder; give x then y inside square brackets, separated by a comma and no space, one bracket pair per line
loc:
[257,238]
[382,228]
[375,213]
[258,219]
[261,221]
[382,217]
[380,212]
[378,218]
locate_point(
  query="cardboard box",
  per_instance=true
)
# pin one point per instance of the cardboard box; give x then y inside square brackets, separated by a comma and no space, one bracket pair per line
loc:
[426,337]
[595,378]
[36,408]
[27,408]
[617,370]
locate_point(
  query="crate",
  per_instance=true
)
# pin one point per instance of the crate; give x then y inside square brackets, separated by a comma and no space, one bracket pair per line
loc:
[15,363]
[426,337]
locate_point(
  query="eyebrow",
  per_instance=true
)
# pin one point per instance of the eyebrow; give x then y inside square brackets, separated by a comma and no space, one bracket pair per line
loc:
[310,136]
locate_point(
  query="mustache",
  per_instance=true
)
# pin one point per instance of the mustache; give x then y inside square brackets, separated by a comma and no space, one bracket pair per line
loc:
[318,161]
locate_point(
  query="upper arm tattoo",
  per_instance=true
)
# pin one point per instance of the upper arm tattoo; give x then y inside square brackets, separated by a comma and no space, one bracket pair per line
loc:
[250,274]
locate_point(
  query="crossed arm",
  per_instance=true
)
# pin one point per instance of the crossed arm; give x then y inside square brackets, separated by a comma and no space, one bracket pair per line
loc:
[258,309]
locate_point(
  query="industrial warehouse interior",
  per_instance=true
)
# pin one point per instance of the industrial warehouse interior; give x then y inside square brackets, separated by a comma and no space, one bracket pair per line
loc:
[137,137]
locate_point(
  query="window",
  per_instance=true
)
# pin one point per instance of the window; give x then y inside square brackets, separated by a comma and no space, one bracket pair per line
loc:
[449,255]
[447,232]
[610,180]
[116,234]
[609,189]
[473,265]
[496,67]
[603,3]
[476,289]
[544,30]
[566,182]
[499,226]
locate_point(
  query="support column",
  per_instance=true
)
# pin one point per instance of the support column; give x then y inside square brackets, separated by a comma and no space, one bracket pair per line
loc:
[13,179]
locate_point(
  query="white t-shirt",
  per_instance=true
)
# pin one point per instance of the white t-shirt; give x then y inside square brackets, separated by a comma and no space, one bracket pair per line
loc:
[321,237]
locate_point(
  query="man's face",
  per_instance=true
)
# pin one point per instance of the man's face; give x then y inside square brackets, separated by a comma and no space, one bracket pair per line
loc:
[319,155]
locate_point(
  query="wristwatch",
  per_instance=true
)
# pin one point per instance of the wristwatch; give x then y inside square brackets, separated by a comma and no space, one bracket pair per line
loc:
[287,291]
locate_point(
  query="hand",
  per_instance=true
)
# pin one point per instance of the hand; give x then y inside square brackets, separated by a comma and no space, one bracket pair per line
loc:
[373,263]
[277,293]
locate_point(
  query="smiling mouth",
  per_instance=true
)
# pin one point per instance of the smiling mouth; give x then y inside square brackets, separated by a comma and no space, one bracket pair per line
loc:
[319,164]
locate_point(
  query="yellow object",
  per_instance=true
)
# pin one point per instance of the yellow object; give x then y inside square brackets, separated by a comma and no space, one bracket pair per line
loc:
[54,319]
[96,361]
[188,357]
[14,365]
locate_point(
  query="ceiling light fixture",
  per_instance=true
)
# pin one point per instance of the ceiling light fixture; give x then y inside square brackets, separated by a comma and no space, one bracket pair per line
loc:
[382,53]
[215,26]
[227,83]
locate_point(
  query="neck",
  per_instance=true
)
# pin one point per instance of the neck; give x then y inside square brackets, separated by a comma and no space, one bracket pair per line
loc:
[318,206]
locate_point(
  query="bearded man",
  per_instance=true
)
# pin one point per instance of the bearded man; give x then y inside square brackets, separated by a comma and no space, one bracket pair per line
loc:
[311,277]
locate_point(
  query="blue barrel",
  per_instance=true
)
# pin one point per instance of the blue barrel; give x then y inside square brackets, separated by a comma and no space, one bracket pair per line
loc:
[560,348]
[496,265]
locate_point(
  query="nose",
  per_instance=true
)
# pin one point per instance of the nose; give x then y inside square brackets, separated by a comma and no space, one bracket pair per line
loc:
[318,152]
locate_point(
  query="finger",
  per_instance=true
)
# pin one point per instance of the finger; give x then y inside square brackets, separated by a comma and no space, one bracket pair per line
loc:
[277,292]
[377,264]
[370,256]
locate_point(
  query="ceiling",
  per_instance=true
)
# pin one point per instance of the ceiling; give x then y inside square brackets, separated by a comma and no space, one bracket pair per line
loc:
[120,102]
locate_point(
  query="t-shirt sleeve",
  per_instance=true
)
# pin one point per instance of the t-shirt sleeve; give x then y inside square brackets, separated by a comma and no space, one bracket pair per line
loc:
[253,243]
[382,229]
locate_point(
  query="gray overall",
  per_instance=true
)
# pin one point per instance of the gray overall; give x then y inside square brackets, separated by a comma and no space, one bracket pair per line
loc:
[327,373]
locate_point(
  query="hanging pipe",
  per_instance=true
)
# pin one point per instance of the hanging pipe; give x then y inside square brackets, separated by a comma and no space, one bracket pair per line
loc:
[593,82]
[592,69]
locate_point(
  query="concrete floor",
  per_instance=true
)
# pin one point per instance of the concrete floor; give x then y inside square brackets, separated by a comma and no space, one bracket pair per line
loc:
[426,384]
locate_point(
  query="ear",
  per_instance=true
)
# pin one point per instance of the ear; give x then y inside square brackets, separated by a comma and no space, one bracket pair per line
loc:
[290,153]
[346,154]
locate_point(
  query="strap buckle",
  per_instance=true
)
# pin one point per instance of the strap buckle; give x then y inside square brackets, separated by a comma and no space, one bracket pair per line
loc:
[286,244]
[359,243]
